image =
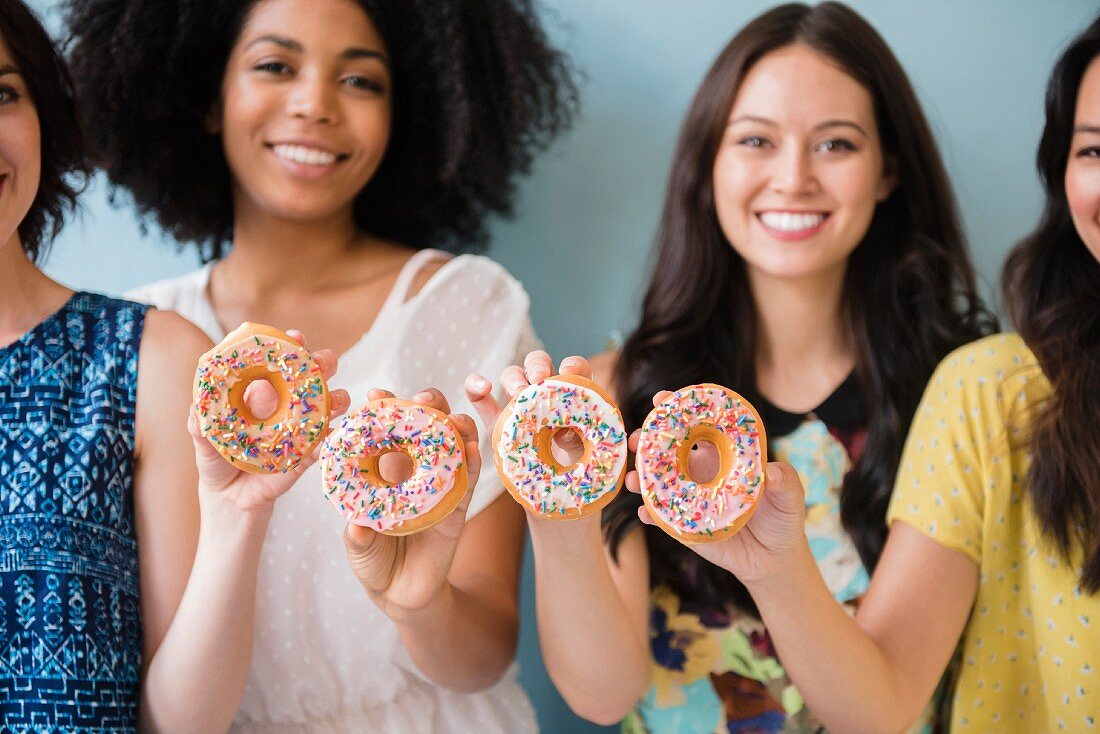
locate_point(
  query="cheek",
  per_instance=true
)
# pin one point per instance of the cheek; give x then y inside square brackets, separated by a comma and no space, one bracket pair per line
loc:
[733,182]
[1083,195]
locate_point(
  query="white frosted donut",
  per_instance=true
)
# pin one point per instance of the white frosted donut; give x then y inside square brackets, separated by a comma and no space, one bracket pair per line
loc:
[354,486]
[528,468]
[694,511]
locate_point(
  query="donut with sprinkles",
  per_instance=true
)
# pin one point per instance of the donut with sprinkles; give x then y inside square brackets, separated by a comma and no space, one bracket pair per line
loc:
[696,511]
[354,485]
[280,441]
[528,468]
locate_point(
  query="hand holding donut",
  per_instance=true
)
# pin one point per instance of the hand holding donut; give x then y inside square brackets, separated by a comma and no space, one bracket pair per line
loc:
[240,484]
[405,572]
[759,548]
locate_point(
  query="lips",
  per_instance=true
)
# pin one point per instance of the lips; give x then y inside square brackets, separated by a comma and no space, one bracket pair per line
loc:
[792,225]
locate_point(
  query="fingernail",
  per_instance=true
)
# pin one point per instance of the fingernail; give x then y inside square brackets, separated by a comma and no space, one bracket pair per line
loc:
[538,372]
[774,473]
[425,396]
[479,383]
[570,362]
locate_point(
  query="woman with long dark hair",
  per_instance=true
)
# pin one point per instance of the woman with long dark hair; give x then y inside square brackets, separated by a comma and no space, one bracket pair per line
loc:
[810,257]
[994,542]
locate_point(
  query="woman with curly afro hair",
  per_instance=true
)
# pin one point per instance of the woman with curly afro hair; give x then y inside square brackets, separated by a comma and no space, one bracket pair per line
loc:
[328,158]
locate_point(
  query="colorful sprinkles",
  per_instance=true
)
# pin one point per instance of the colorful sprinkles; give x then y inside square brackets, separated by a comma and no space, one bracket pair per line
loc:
[277,443]
[552,404]
[688,507]
[380,427]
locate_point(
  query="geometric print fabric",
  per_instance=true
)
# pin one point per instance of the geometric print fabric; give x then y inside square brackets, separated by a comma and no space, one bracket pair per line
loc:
[70,625]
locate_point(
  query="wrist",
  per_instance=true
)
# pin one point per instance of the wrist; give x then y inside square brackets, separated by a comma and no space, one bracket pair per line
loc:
[222,516]
[789,568]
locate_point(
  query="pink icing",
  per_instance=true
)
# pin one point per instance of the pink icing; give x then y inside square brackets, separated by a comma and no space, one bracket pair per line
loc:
[378,429]
[685,505]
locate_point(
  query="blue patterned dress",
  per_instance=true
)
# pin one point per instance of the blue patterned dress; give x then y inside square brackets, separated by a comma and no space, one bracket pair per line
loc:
[70,623]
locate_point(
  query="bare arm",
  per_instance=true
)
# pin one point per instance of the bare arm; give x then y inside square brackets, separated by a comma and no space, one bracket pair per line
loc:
[873,673]
[592,611]
[197,618]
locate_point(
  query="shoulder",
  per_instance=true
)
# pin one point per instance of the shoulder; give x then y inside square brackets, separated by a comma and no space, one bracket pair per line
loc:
[171,293]
[997,352]
[603,368]
[169,339]
[468,281]
[995,369]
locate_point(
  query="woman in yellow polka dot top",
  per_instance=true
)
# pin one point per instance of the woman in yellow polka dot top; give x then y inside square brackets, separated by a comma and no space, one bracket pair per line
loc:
[994,544]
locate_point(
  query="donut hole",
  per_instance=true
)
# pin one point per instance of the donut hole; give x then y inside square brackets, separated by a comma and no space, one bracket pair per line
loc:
[561,448]
[266,401]
[395,467]
[704,461]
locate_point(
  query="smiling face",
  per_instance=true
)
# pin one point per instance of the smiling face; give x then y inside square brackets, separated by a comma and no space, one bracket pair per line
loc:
[1083,167]
[20,148]
[306,107]
[800,168]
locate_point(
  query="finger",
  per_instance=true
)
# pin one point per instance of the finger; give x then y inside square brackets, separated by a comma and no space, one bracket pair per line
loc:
[513,379]
[297,336]
[261,399]
[214,469]
[632,441]
[644,516]
[377,393]
[660,397]
[339,401]
[632,482]
[432,398]
[538,365]
[783,488]
[576,366]
[327,360]
[467,429]
[479,392]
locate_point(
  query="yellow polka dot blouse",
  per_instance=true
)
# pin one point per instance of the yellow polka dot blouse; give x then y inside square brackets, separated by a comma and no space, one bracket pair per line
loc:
[1031,649]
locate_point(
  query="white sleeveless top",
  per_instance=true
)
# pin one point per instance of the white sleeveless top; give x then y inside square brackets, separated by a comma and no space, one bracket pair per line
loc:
[325,660]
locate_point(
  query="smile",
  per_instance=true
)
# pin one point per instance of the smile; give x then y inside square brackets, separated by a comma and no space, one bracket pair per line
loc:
[305,155]
[792,225]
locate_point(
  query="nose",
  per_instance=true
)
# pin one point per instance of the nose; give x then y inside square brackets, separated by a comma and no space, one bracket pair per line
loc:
[311,99]
[793,174]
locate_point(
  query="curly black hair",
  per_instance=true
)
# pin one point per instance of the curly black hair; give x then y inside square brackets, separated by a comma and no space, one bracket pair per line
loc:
[64,164]
[478,90]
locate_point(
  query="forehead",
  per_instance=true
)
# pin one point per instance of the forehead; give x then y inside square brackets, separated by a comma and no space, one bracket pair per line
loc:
[795,82]
[335,23]
[1088,96]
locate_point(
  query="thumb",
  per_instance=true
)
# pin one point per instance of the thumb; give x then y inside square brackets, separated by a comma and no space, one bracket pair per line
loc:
[371,556]
[783,488]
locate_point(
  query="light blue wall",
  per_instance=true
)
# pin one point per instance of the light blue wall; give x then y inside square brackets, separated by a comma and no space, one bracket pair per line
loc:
[585,219]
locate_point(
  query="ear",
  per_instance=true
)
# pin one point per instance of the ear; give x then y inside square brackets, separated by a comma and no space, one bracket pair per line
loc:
[888,182]
[212,121]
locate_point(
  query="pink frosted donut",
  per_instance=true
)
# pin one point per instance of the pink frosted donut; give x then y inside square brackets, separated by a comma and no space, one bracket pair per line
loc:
[268,445]
[698,512]
[354,486]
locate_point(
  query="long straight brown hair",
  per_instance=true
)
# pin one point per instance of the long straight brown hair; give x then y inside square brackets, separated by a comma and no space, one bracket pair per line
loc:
[1051,284]
[909,295]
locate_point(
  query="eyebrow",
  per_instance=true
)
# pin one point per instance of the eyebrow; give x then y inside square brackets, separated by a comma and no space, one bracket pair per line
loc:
[291,45]
[819,126]
[8,69]
[1087,128]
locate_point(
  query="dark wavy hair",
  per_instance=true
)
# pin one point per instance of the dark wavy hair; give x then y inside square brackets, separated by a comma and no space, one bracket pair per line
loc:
[478,90]
[64,165]
[1051,286]
[909,294]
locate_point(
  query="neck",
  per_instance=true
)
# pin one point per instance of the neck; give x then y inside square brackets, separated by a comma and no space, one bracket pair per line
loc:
[26,295]
[268,252]
[801,339]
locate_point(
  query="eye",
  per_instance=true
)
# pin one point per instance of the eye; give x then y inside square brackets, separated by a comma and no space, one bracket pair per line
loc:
[277,68]
[1090,152]
[835,145]
[364,83]
[754,141]
[8,95]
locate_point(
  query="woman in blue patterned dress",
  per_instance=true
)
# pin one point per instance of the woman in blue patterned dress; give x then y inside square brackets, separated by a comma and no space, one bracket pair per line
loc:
[100,627]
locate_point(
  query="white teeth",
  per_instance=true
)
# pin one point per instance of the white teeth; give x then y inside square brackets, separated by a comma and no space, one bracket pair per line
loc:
[791,221]
[302,154]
